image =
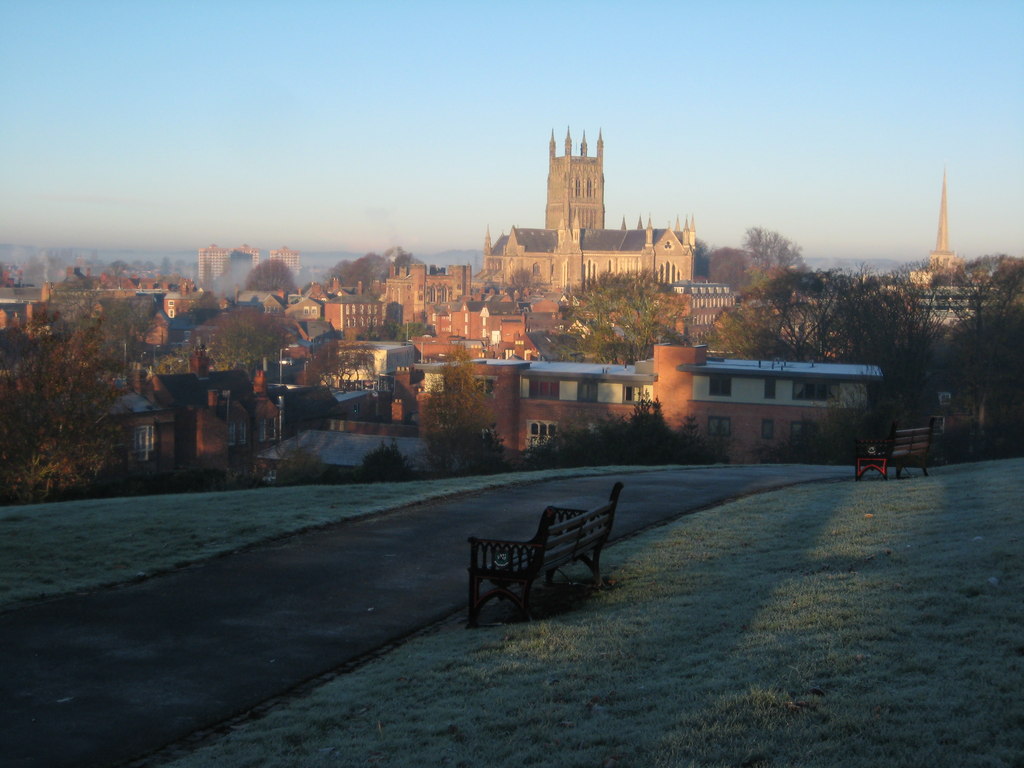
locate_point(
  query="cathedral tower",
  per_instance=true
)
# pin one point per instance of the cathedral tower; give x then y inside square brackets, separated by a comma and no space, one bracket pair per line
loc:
[575,186]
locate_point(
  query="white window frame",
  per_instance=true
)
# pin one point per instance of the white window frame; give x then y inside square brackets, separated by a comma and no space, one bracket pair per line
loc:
[143,441]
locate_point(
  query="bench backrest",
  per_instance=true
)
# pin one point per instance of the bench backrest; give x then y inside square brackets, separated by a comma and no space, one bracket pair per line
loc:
[917,439]
[565,532]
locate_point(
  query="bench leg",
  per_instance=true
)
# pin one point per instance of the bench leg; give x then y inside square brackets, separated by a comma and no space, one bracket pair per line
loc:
[863,465]
[504,591]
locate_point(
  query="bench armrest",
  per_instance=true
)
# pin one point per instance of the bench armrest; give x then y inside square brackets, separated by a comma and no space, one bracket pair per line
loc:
[874,449]
[496,556]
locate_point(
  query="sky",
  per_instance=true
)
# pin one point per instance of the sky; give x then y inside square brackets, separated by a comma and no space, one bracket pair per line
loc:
[358,126]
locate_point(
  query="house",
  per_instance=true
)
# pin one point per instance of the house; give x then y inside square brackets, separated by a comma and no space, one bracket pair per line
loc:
[353,315]
[167,331]
[271,303]
[305,308]
[148,432]
[221,418]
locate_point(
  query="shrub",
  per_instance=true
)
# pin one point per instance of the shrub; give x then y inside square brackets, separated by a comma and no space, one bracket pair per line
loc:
[384,464]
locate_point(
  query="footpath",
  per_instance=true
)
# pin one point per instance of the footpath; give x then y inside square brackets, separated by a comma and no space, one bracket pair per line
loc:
[107,677]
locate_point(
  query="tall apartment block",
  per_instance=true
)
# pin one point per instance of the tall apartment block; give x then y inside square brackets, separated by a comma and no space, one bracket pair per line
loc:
[215,261]
[290,258]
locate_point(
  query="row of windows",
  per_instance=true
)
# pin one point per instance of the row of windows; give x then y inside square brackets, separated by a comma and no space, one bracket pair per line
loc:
[538,432]
[586,391]
[721,426]
[721,386]
[579,188]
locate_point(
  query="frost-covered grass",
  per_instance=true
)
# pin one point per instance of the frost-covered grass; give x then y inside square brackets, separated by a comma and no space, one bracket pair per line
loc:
[51,549]
[853,625]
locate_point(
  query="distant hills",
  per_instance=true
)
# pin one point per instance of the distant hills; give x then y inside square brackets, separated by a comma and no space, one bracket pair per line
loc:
[315,263]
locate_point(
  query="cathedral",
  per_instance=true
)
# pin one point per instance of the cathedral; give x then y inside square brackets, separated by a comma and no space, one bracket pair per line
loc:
[574,246]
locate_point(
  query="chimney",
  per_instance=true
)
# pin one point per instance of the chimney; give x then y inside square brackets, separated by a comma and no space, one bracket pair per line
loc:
[259,383]
[211,398]
[137,380]
[199,363]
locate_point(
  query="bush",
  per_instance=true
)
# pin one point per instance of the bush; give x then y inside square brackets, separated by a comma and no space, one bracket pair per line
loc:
[299,467]
[384,464]
[644,438]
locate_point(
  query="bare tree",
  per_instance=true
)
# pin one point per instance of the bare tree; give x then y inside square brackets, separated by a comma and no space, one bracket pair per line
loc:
[986,343]
[770,251]
[730,266]
[273,275]
[341,364]
[244,337]
[365,270]
[520,282]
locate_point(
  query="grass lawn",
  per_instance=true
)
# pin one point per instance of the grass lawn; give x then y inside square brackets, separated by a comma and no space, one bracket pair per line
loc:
[52,549]
[855,625]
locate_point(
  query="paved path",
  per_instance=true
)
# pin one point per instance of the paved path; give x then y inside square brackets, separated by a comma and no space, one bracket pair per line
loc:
[98,679]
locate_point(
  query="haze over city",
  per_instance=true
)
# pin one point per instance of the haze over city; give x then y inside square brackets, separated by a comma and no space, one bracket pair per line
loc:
[357,126]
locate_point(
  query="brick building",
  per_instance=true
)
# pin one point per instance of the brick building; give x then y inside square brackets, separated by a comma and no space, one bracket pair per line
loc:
[753,406]
[705,302]
[409,291]
[353,315]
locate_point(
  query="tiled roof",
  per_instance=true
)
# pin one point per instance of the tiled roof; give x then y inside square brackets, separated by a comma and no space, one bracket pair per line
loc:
[305,403]
[187,389]
[538,240]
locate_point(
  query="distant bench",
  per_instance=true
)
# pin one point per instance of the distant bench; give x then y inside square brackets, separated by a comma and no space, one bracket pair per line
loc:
[902,448]
[507,569]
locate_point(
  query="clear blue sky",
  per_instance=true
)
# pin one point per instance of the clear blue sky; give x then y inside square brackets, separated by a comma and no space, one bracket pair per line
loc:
[356,126]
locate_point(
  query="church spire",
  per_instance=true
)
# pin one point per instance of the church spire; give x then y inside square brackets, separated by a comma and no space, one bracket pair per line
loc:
[600,144]
[942,259]
[942,241]
[552,146]
[583,145]
[568,143]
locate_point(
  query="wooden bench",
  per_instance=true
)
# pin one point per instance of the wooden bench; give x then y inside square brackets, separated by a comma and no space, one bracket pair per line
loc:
[902,448]
[507,569]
